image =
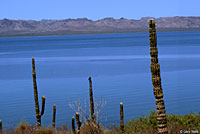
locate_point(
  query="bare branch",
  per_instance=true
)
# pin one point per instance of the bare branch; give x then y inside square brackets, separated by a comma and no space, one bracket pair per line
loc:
[84,108]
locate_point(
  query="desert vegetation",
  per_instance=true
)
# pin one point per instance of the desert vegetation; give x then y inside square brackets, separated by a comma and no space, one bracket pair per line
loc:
[157,122]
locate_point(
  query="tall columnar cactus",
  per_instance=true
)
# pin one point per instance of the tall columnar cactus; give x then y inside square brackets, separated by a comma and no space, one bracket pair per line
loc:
[73,126]
[0,127]
[78,123]
[54,116]
[37,110]
[156,80]
[121,118]
[91,101]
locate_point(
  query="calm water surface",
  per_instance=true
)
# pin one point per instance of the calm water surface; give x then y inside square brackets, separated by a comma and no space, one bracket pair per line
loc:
[118,63]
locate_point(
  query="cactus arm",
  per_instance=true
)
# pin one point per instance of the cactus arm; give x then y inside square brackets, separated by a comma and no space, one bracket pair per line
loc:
[43,105]
[91,100]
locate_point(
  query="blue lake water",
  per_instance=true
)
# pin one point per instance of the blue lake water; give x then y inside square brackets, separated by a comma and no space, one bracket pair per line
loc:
[120,68]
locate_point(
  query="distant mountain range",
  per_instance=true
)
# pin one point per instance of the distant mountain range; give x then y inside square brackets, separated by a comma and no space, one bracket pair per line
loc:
[85,26]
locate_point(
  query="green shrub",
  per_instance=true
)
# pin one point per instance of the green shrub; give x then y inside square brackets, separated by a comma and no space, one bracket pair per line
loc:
[148,124]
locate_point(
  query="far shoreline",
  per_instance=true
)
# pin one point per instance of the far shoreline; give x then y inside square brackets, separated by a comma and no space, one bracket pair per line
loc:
[63,33]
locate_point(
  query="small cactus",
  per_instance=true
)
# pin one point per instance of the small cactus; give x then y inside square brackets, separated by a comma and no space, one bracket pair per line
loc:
[54,116]
[0,127]
[121,118]
[156,80]
[78,123]
[37,110]
[73,126]
[91,101]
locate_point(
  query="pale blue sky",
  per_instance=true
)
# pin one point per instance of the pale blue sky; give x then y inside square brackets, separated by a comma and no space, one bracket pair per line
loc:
[96,9]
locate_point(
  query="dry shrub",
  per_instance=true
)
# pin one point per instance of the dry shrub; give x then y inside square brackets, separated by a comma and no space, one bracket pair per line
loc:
[62,130]
[24,128]
[91,128]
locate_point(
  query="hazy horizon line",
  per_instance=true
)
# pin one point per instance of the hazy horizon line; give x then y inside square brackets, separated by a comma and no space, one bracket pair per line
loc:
[96,19]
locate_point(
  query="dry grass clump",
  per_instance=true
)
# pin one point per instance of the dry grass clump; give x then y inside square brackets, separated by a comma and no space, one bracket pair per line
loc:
[91,128]
[25,128]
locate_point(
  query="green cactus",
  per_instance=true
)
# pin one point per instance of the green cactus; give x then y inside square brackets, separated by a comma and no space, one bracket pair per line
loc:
[156,80]
[78,123]
[37,110]
[54,116]
[121,118]
[73,126]
[91,101]
[0,127]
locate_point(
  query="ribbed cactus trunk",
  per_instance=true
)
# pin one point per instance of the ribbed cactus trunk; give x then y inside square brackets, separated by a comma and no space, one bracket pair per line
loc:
[156,80]
[54,117]
[0,127]
[78,123]
[121,118]
[73,126]
[37,110]
[91,101]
